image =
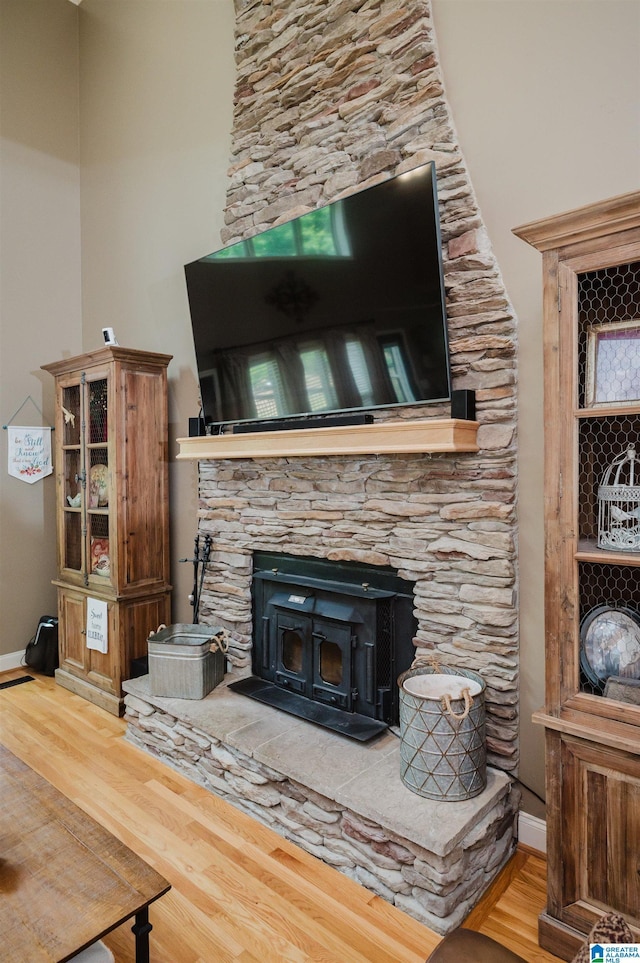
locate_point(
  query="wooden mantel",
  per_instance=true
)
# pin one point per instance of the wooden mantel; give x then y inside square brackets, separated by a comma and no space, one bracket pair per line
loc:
[384,437]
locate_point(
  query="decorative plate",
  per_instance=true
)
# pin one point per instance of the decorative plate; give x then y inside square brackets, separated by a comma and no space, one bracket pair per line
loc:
[98,486]
[610,643]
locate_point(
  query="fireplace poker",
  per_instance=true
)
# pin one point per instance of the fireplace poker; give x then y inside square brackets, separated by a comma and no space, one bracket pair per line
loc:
[200,560]
[196,563]
[206,551]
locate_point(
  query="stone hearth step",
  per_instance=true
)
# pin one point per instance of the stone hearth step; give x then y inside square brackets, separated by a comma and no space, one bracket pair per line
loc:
[340,800]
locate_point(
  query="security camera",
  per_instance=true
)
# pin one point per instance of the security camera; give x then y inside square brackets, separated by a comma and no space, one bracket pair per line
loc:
[109,336]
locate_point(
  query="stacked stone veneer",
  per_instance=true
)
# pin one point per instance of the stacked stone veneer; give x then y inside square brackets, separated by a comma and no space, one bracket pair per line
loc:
[332,96]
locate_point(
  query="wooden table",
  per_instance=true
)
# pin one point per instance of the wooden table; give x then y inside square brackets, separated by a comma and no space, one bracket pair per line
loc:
[64,880]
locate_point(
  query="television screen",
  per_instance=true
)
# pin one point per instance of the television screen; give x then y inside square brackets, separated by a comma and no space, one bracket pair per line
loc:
[338,310]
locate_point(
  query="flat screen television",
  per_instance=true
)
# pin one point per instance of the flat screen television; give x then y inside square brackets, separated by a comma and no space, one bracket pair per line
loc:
[338,310]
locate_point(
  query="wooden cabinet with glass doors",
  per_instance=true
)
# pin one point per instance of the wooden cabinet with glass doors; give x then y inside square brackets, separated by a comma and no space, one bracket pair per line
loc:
[591,335]
[111,453]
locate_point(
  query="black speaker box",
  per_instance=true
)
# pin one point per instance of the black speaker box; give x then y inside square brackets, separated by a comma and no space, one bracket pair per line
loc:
[196,427]
[41,653]
[463,404]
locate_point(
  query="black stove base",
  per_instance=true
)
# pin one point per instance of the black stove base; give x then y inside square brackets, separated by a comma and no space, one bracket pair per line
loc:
[349,724]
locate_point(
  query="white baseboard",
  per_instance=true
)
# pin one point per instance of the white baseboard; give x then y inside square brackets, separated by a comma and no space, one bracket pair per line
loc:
[11,660]
[532,832]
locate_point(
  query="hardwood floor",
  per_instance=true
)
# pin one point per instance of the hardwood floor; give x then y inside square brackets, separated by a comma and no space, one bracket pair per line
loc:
[240,892]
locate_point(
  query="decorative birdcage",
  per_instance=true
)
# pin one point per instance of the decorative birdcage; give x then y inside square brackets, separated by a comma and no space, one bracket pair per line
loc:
[619,505]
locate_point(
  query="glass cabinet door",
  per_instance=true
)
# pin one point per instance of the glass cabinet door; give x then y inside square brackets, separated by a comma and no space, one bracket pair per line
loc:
[97,479]
[72,489]
[86,487]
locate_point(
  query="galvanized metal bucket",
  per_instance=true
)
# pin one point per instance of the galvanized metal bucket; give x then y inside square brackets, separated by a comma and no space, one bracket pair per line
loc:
[185,661]
[443,751]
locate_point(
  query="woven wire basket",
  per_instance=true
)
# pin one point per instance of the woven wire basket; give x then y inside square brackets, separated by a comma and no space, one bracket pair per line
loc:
[619,505]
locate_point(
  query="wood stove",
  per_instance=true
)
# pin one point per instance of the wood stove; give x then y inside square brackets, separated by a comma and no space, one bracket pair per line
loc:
[329,641]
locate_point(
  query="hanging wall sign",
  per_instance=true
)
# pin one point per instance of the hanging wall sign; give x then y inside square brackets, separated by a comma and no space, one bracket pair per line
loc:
[29,453]
[97,625]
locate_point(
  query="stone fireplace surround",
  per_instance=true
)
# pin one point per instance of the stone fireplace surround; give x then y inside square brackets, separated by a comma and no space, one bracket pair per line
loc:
[443,522]
[332,95]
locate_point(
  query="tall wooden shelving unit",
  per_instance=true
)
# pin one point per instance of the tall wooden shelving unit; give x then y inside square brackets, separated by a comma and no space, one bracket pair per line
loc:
[111,452]
[591,270]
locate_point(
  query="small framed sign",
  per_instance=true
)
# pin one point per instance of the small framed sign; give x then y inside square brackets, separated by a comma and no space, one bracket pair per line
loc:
[613,364]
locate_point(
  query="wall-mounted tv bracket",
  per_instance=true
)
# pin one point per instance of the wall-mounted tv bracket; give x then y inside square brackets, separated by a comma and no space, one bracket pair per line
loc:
[200,560]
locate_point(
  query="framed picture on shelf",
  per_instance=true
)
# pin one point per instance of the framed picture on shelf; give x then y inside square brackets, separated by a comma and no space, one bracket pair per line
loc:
[100,562]
[613,364]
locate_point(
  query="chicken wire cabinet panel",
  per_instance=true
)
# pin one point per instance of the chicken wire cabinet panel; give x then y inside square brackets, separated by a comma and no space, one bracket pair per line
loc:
[111,454]
[591,276]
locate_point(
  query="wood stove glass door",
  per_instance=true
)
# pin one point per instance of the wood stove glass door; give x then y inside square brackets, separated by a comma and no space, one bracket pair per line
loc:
[332,663]
[293,669]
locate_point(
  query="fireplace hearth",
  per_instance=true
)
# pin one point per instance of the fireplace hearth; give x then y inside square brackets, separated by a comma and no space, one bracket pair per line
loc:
[329,641]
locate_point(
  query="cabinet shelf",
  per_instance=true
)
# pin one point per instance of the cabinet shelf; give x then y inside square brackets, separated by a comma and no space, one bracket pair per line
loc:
[584,725]
[588,551]
[608,411]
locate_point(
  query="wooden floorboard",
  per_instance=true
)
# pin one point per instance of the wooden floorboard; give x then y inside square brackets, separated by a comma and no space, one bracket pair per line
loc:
[241,893]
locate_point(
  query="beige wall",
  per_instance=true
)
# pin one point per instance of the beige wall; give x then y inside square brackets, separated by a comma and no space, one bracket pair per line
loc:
[151,131]
[156,83]
[546,98]
[545,95]
[39,279]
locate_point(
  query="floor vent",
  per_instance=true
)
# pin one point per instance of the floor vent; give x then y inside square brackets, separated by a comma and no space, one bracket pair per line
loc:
[23,678]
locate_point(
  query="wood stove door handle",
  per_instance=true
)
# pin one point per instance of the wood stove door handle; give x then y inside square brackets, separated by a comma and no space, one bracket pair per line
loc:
[319,636]
[369,647]
[265,641]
